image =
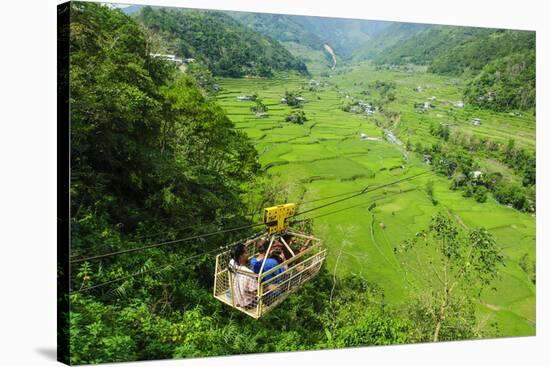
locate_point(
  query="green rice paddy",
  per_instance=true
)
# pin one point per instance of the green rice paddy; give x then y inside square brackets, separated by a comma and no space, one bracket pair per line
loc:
[326,156]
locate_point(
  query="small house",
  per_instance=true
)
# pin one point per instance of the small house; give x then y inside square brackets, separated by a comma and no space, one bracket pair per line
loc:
[476,122]
[167,57]
[391,138]
[244,98]
[262,115]
[283,101]
[363,136]
[476,175]
[459,104]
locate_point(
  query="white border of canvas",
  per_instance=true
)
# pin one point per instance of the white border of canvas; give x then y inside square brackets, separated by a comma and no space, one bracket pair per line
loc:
[28,181]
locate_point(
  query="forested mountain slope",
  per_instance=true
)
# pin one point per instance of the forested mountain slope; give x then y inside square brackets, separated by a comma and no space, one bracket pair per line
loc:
[343,35]
[143,136]
[497,60]
[504,83]
[284,28]
[386,38]
[219,42]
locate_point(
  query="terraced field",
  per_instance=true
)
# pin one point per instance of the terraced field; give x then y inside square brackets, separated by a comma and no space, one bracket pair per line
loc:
[326,156]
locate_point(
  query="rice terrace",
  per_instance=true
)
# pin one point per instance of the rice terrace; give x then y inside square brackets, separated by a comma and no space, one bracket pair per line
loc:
[385,170]
[327,156]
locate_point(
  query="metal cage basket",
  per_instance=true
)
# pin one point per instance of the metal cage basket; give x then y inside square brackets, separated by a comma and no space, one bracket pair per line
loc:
[265,291]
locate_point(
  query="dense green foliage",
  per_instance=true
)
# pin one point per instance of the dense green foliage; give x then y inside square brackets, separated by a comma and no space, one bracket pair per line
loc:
[456,160]
[386,38]
[204,78]
[157,327]
[143,137]
[460,267]
[284,28]
[259,106]
[455,50]
[149,155]
[155,158]
[506,83]
[293,98]
[501,62]
[216,40]
[296,117]
[474,51]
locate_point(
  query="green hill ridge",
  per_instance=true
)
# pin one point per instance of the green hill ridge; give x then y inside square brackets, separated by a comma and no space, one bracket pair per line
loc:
[223,45]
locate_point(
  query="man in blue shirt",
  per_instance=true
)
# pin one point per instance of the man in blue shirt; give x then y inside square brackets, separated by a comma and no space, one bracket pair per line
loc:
[270,262]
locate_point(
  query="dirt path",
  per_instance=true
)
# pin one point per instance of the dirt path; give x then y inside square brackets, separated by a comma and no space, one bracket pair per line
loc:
[458,219]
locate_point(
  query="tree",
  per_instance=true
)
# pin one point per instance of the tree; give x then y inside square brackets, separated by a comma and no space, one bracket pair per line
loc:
[203,77]
[480,194]
[450,267]
[357,316]
[509,152]
[293,99]
[297,117]
[259,106]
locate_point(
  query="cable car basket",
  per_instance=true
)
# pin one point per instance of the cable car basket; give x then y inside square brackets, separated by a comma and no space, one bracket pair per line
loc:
[264,291]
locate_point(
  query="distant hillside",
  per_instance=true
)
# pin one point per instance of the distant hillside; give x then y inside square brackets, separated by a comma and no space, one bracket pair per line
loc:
[455,50]
[505,83]
[343,35]
[284,28]
[130,9]
[426,46]
[500,64]
[476,52]
[387,37]
[318,61]
[219,42]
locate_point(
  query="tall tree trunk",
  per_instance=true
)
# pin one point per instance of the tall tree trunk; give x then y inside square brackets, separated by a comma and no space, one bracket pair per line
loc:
[445,302]
[439,321]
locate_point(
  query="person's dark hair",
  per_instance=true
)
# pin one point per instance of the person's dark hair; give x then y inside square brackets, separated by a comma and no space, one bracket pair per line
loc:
[277,255]
[263,245]
[237,251]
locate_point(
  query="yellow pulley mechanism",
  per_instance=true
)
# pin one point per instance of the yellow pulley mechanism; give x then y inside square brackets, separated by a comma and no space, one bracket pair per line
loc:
[276,217]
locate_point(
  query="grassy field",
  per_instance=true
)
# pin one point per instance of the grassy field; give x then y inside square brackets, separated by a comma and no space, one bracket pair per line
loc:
[326,156]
